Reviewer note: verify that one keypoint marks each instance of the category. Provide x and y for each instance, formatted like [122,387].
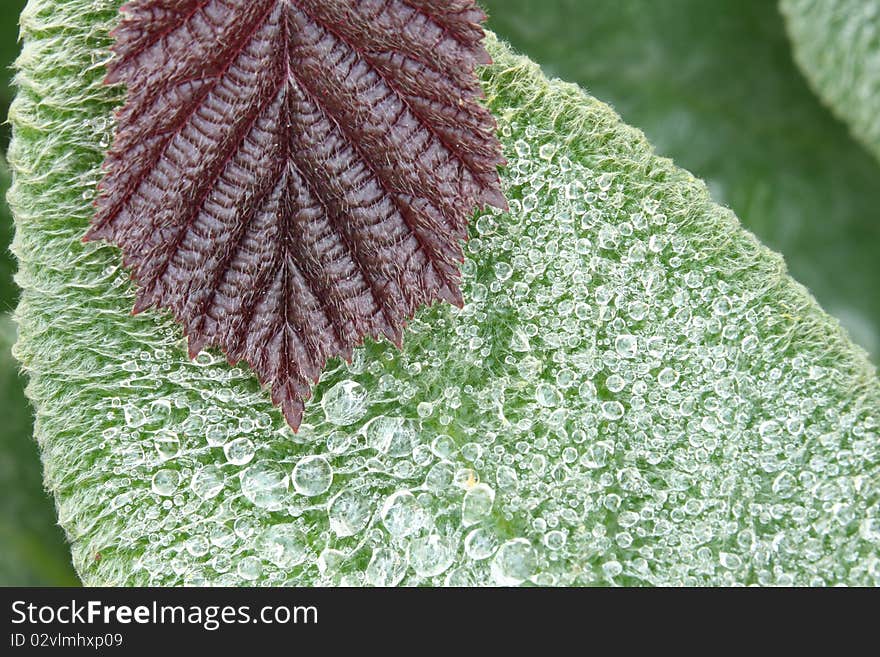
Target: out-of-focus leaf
[837,45]
[713,85]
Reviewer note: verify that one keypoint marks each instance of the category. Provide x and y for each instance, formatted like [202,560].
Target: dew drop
[349,513]
[239,451]
[514,562]
[386,568]
[312,475]
[401,514]
[265,484]
[477,504]
[165,482]
[344,403]
[431,555]
[207,482]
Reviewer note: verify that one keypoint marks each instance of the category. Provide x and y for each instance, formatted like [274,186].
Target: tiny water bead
[312,475]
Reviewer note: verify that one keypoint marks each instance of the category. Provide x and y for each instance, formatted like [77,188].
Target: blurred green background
[712,84]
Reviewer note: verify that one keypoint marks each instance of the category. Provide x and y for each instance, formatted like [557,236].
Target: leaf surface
[290,177]
[837,45]
[714,86]
[635,391]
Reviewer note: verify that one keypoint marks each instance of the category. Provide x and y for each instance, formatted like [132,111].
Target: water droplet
[265,484]
[477,504]
[386,568]
[250,568]
[547,396]
[390,435]
[612,410]
[770,431]
[554,540]
[165,482]
[431,555]
[344,403]
[198,546]
[239,451]
[667,377]
[612,569]
[440,476]
[207,482]
[167,444]
[480,544]
[349,513]
[402,515]
[514,562]
[284,545]
[506,478]
[627,346]
[312,475]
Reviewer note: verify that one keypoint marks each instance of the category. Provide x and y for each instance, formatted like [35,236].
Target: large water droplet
[207,482]
[431,555]
[239,451]
[344,403]
[265,484]
[477,504]
[386,568]
[349,513]
[402,515]
[312,475]
[514,562]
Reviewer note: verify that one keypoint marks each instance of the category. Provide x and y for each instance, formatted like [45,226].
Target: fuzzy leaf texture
[837,45]
[635,391]
[714,86]
[290,177]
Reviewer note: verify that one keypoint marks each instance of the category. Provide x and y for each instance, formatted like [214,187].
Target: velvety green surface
[714,86]
[33,551]
[635,391]
[837,45]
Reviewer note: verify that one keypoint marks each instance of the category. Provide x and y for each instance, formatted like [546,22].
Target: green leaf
[713,85]
[837,45]
[634,393]
[34,550]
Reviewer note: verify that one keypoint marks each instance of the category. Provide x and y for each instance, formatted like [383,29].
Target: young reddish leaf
[290,176]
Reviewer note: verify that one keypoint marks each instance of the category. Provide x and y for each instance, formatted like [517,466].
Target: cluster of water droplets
[616,403]
[606,409]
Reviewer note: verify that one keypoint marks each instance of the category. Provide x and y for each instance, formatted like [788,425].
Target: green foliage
[33,551]
[635,392]
[837,45]
[713,86]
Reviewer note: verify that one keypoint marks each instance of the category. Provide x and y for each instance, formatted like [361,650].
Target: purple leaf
[290,176]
